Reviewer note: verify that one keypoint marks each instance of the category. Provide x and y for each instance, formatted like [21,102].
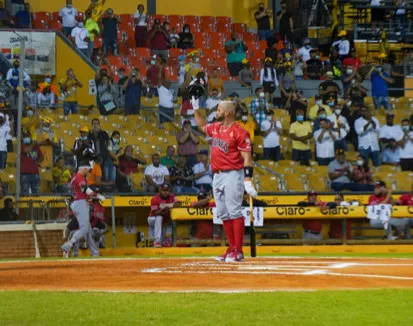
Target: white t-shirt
[406,152]
[305,53]
[45,100]
[272,139]
[369,138]
[389,132]
[166,97]
[343,131]
[4,133]
[325,149]
[158,174]
[207,178]
[375,3]
[142,18]
[68,17]
[80,34]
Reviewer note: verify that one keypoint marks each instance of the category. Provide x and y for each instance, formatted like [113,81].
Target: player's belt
[222,171]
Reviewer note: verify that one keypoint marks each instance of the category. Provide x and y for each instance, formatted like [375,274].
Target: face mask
[48,80]
[69,6]
[84,138]
[116,141]
[80,25]
[234,101]
[261,9]
[308,47]
[378,70]
[15,77]
[244,118]
[319,102]
[27,140]
[317,57]
[186,30]
[262,95]
[46,128]
[360,163]
[349,71]
[269,117]
[182,64]
[153,63]
[133,75]
[338,111]
[300,118]
[110,12]
[322,116]
[16,65]
[405,128]
[331,104]
[390,124]
[196,59]
[121,76]
[29,113]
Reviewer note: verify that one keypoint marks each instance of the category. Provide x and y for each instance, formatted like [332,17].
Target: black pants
[234,68]
[286,33]
[406,164]
[166,114]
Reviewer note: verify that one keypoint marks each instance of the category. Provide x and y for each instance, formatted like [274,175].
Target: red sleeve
[39,153]
[174,199]
[192,204]
[403,200]
[373,200]
[208,129]
[154,204]
[243,139]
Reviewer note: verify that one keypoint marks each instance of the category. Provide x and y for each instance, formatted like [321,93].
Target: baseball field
[296,290]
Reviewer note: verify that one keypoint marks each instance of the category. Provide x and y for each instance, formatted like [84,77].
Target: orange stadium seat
[175,52]
[40,24]
[212,20]
[200,40]
[224,19]
[223,26]
[206,26]
[250,37]
[55,25]
[42,15]
[143,52]
[191,20]
[137,61]
[54,16]
[216,40]
[208,53]
[98,43]
[127,18]
[239,28]
[115,61]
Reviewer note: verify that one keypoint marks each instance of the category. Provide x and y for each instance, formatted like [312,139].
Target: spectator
[7,213]
[188,143]
[166,102]
[378,15]
[159,217]
[182,71]
[114,151]
[133,92]
[96,9]
[80,37]
[101,140]
[405,141]
[301,133]
[234,98]
[171,159]
[279,63]
[182,178]
[245,74]
[342,45]
[262,17]
[47,141]
[379,87]
[382,196]
[14,84]
[271,130]
[127,164]
[159,38]
[246,122]
[212,104]
[367,128]
[312,228]
[31,157]
[314,66]
[299,66]
[297,102]
[259,106]
[23,17]
[362,174]
[62,176]
[353,60]
[174,38]
[46,98]
[286,50]
[287,84]
[268,79]
[329,88]
[186,38]
[16,66]
[31,96]
[69,88]
[319,104]
[141,27]
[321,115]
[193,67]
[93,30]
[106,96]
[406,199]
[235,54]
[203,172]
[336,226]
[156,174]
[341,127]
[325,138]
[356,92]
[348,76]
[203,229]
[216,83]
[389,131]
[154,76]
[5,131]
[304,51]
[84,147]
[110,32]
[68,16]
[334,64]
[391,154]
[340,172]
[94,179]
[400,14]
[271,50]
[285,19]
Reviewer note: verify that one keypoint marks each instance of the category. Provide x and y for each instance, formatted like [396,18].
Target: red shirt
[314,225]
[335,229]
[406,200]
[204,229]
[157,203]
[227,146]
[159,41]
[28,160]
[152,75]
[127,166]
[376,200]
[79,183]
[355,62]
[97,213]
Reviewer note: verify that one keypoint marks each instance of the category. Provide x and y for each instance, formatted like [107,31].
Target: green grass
[373,307]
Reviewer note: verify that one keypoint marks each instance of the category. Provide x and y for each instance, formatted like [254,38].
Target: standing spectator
[16,67]
[32,96]
[378,15]
[333,64]
[343,45]
[46,98]
[212,104]
[319,104]
[216,83]
[84,147]
[312,228]
[325,138]
[93,30]
[301,133]
[156,174]
[106,96]
[68,16]
[321,114]
[154,76]
[80,37]
[391,154]
[268,79]
[182,177]
[348,76]
[400,14]
[171,159]
[235,50]
[285,19]
[193,67]
[287,85]
[186,38]
[31,157]
[101,140]
[62,176]
[166,102]
[127,164]
[14,84]
[181,71]
[299,66]
[314,66]
[271,50]
[114,151]
[247,122]
[174,37]
[188,143]
[262,17]
[245,74]
[329,88]
[368,128]
[356,92]
[110,32]
[69,89]
[23,17]
[5,131]
[259,103]
[405,141]
[353,60]
[47,141]
[159,37]
[341,127]
[203,172]
[304,51]
[298,102]
[389,131]
[133,92]
[141,27]
[271,129]
[379,87]
[7,213]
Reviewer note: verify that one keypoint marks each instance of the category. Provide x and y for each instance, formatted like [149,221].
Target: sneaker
[223,256]
[234,256]
[66,248]
[157,245]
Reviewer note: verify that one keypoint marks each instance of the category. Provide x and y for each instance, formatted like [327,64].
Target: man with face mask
[193,67]
[155,75]
[301,133]
[31,157]
[215,82]
[262,17]
[16,66]
[69,91]
[80,37]
[247,122]
[343,45]
[47,141]
[319,104]
[186,38]
[133,88]
[304,51]
[271,130]
[389,131]
[110,32]
[391,154]
[314,66]
[93,30]
[341,127]
[166,102]
[349,74]
[5,131]
[379,87]
[159,37]
[188,143]
[235,49]
[285,19]
[259,103]
[367,127]
[68,15]
[245,75]
[405,141]
[83,147]
[353,60]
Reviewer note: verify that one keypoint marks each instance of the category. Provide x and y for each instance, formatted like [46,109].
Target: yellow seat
[248,100]
[316,182]
[388,168]
[292,182]
[321,170]
[137,181]
[46,181]
[258,145]
[153,140]
[404,181]
[303,170]
[388,178]
[172,127]
[11,158]
[147,149]
[351,156]
[268,183]
[268,164]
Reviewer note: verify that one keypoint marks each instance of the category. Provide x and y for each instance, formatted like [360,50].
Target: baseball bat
[252,231]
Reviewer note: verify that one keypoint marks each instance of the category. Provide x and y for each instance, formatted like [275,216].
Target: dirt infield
[180,274]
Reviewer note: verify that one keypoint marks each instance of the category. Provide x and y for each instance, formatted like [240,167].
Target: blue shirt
[255,103]
[239,53]
[133,93]
[23,19]
[379,85]
[391,157]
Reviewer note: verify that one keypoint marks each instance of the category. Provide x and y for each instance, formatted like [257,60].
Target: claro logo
[290,211]
[142,202]
[337,211]
[199,211]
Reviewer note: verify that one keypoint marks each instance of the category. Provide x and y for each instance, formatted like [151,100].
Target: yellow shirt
[91,26]
[97,10]
[47,151]
[313,111]
[216,83]
[193,68]
[61,176]
[249,126]
[96,172]
[301,130]
[30,124]
[71,90]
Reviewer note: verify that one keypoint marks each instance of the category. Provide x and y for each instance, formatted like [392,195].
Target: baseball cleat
[66,248]
[157,245]
[223,256]
[234,256]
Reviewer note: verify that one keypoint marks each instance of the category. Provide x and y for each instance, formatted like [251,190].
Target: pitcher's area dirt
[180,274]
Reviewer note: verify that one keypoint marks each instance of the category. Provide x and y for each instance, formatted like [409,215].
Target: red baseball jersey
[227,146]
[157,203]
[204,229]
[406,200]
[79,182]
[376,200]
[314,225]
[98,211]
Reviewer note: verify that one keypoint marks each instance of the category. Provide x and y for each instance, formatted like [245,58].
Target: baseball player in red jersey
[231,162]
[80,208]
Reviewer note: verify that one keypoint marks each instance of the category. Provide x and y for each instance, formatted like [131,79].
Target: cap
[287,64]
[186,122]
[353,50]
[16,61]
[267,60]
[46,120]
[245,61]
[306,41]
[382,55]
[203,152]
[380,184]
[182,57]
[84,129]
[329,74]
[312,193]
[192,53]
[342,33]
[165,186]
[340,152]
[234,94]
[202,194]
